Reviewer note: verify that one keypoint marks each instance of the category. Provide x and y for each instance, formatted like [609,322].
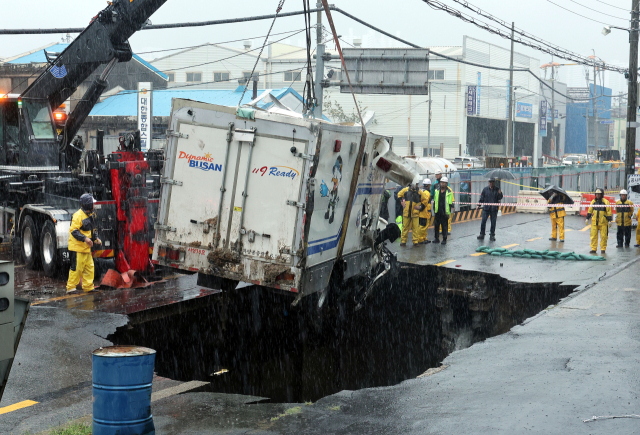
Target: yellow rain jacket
[602,215]
[426,199]
[624,213]
[82,225]
[409,211]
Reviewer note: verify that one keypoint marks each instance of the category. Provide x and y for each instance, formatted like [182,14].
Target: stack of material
[544,255]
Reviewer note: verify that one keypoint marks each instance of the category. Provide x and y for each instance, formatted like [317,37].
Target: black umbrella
[500,174]
[549,191]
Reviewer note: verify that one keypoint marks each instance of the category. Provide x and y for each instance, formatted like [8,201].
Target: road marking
[537,238]
[477,254]
[511,246]
[586,228]
[566,231]
[444,262]
[60,298]
[17,406]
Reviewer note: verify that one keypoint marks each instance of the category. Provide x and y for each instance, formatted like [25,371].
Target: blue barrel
[122,377]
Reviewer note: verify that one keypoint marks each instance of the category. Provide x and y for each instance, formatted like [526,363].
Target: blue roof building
[125,102]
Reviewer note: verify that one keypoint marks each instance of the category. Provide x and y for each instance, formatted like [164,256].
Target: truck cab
[28,137]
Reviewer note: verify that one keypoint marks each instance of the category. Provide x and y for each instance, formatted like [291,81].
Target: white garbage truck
[274,199]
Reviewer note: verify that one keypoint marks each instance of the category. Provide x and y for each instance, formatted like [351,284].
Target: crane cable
[280,4]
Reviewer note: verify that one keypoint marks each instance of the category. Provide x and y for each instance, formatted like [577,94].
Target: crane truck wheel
[49,249]
[30,239]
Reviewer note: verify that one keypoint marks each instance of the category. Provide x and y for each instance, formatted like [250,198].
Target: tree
[334,110]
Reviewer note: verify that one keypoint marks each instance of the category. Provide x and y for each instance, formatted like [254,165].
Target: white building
[476,130]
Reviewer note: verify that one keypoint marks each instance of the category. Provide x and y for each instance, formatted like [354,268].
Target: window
[40,119]
[19,85]
[172,77]
[436,74]
[293,76]
[221,76]
[194,77]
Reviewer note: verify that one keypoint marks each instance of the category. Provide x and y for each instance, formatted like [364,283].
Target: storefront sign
[524,110]
[471,100]
[145,115]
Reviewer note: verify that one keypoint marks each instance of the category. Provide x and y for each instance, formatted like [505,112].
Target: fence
[468,183]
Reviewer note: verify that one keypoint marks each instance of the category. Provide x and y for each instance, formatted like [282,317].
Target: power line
[216,43]
[156,26]
[38,72]
[595,10]
[279,8]
[555,51]
[575,13]
[235,55]
[613,6]
[517,30]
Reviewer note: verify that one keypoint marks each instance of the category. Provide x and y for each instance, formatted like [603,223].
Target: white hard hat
[438,172]
[444,180]
[624,192]
[426,181]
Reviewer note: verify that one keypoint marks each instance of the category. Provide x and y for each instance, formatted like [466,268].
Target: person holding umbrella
[557,215]
[623,219]
[490,195]
[601,220]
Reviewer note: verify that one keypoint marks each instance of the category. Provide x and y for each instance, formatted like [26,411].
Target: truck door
[260,175]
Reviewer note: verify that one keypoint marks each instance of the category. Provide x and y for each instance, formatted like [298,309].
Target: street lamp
[606,30]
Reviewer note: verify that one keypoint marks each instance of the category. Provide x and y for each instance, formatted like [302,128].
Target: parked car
[571,160]
[468,162]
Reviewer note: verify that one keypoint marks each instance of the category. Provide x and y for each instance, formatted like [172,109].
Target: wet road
[573,361]
[520,231]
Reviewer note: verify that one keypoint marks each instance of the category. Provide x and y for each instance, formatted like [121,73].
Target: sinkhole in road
[250,341]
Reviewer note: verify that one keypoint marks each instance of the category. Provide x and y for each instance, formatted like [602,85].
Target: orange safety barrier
[586,200]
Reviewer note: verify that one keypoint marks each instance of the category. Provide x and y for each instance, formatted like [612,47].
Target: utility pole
[429,124]
[510,144]
[317,112]
[630,152]
[595,106]
[553,110]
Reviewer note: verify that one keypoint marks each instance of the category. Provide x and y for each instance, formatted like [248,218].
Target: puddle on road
[250,341]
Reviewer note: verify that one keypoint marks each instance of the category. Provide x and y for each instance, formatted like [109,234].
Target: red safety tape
[582,204]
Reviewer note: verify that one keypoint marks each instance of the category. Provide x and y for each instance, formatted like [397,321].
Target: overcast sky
[411,19]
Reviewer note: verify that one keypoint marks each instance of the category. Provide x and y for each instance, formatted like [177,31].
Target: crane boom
[104,39]
[33,142]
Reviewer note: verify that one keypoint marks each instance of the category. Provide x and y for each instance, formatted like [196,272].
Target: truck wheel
[49,249]
[30,251]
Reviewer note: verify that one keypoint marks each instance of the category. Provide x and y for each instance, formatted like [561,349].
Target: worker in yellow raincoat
[412,196]
[82,236]
[557,216]
[623,219]
[424,218]
[600,216]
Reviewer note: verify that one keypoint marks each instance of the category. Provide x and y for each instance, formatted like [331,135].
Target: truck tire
[49,249]
[30,242]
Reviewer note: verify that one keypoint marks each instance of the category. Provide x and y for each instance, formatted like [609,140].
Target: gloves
[610,224]
[586,221]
